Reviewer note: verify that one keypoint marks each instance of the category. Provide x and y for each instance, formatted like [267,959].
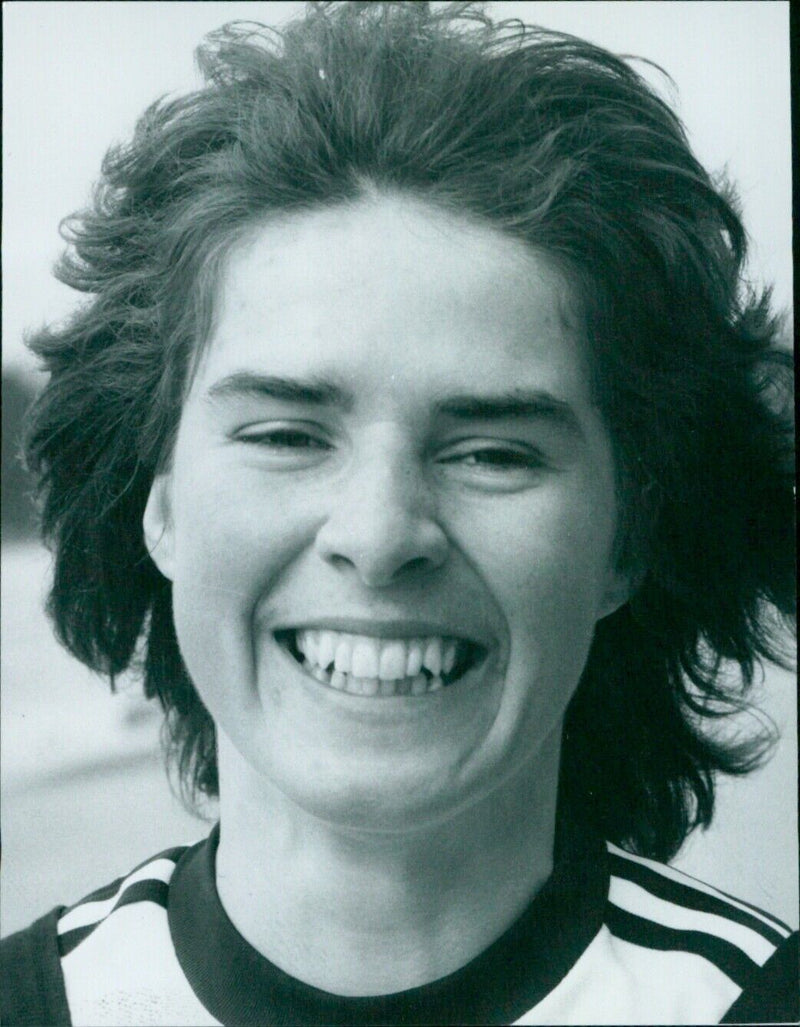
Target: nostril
[339,561]
[418,563]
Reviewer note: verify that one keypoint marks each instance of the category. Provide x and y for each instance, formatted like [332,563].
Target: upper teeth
[389,659]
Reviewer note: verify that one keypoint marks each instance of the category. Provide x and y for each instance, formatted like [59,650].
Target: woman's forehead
[392,272]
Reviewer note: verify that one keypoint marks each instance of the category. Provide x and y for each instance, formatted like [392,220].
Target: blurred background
[85,795]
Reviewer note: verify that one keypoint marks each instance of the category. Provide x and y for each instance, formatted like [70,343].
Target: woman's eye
[497,458]
[283,439]
[495,467]
[500,458]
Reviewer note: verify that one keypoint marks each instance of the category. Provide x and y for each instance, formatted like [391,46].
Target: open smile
[369,665]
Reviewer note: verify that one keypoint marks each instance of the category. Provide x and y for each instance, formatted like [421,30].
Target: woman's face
[389,515]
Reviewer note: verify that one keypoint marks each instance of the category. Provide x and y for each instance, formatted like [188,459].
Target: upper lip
[394,628]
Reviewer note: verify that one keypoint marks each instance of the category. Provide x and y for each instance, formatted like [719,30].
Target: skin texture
[398,837]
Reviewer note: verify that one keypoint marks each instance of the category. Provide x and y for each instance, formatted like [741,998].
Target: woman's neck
[367,913]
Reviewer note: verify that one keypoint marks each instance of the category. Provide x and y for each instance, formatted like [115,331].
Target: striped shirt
[612,938]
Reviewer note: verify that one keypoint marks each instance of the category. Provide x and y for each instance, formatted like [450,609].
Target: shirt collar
[240,986]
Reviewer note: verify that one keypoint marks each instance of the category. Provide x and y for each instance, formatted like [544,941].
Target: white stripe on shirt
[92,912]
[640,902]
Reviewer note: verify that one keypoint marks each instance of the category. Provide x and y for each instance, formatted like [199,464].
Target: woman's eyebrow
[311,391]
[520,404]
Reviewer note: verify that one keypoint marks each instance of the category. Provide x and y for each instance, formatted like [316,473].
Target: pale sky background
[77,75]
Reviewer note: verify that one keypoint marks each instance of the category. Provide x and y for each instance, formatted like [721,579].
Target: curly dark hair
[557,142]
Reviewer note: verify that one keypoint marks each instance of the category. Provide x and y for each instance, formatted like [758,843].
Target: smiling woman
[379,502]
[422,435]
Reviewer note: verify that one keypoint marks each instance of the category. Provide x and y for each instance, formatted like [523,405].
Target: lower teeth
[418,685]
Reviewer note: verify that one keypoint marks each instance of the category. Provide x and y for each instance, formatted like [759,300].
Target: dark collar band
[239,986]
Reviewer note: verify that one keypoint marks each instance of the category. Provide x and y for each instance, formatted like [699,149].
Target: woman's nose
[381,522]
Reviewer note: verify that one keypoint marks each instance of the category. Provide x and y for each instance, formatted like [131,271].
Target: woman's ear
[615,596]
[157,525]
[621,586]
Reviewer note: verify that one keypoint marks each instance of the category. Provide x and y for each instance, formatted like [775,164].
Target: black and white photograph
[398,514]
